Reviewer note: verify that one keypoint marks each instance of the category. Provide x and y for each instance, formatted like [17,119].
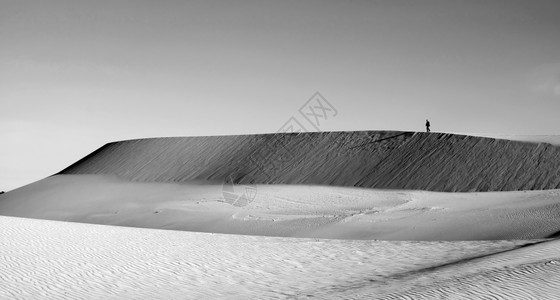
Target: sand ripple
[59,260]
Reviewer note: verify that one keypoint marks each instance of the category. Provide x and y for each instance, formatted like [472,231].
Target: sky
[75,75]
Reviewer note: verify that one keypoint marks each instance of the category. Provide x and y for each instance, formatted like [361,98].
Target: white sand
[531,272]
[60,260]
[290,210]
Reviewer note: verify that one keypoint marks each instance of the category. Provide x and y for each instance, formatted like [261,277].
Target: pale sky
[75,75]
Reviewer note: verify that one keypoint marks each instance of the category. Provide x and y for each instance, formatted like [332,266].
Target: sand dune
[374,159]
[177,183]
[290,210]
[59,260]
[407,216]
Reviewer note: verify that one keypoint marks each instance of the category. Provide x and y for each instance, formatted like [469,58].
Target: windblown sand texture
[372,159]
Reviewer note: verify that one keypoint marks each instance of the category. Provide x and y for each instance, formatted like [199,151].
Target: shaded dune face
[372,159]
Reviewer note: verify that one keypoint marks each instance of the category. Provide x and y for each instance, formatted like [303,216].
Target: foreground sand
[290,210]
[61,260]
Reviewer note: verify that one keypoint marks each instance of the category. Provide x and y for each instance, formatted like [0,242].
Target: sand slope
[375,159]
[549,139]
[290,210]
[58,260]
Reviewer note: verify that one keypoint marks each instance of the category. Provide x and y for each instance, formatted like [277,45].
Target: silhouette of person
[427,126]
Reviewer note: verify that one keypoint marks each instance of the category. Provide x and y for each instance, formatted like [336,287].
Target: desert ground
[342,215]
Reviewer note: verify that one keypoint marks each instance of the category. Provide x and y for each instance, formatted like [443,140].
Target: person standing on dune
[427,126]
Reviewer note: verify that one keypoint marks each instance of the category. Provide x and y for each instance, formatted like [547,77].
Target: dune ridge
[373,159]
